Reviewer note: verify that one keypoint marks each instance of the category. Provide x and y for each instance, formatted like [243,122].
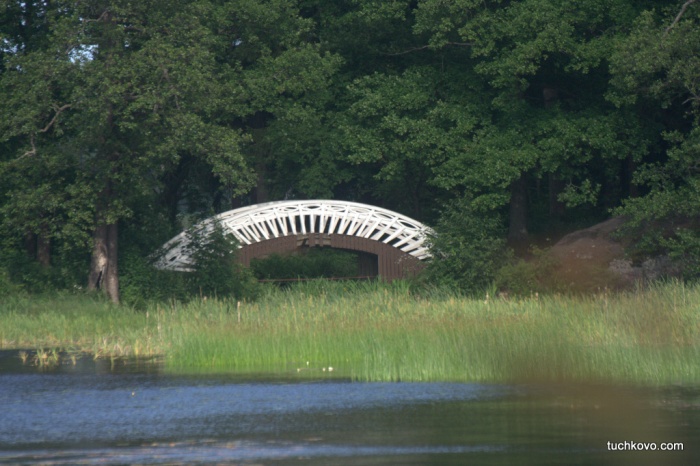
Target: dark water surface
[93,414]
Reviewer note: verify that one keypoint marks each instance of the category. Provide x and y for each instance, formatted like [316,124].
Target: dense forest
[496,121]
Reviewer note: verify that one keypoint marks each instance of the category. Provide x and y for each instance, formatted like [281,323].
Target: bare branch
[680,14]
[423,47]
[29,153]
[135,28]
[32,136]
[53,120]
[100,18]
[407,51]
[172,87]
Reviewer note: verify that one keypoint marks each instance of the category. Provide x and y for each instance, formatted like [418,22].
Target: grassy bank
[376,332]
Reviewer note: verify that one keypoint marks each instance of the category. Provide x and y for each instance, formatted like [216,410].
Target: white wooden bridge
[276,227]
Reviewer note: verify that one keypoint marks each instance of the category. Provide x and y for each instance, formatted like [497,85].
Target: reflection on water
[93,414]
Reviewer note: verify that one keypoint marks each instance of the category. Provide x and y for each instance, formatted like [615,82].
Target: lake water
[92,413]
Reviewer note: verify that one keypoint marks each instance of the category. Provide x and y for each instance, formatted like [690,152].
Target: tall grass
[373,331]
[77,323]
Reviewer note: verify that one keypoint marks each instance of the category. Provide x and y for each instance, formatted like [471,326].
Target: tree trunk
[112,272]
[261,191]
[517,225]
[38,246]
[98,261]
[556,207]
[30,244]
[104,272]
[631,168]
[43,247]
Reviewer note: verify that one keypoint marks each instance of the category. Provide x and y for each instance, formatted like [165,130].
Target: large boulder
[593,245]
[596,250]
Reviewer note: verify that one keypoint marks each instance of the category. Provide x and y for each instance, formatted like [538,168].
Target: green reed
[374,331]
[77,323]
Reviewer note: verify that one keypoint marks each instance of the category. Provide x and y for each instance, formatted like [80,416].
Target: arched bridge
[397,241]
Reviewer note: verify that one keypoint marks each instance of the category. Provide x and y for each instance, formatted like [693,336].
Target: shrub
[468,248]
[217,271]
[524,277]
[315,263]
[33,277]
[7,288]
[140,282]
[684,250]
[545,273]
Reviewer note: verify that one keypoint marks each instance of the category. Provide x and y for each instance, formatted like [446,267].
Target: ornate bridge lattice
[285,226]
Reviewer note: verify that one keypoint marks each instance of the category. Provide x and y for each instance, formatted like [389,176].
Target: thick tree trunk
[98,261]
[111,279]
[104,272]
[517,225]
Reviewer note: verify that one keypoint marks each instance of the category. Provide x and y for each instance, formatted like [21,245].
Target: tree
[142,109]
[546,65]
[120,91]
[484,100]
[408,127]
[657,72]
[284,79]
[217,271]
[468,248]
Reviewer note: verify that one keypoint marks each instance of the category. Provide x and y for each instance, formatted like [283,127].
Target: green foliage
[523,278]
[141,283]
[7,287]
[26,273]
[659,59]
[216,270]
[468,249]
[663,220]
[314,263]
[406,128]
[656,68]
[544,273]
[115,111]
[684,250]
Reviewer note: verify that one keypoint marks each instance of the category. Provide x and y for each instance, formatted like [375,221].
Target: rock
[593,245]
[594,248]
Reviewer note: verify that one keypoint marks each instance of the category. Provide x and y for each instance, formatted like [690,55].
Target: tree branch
[53,120]
[100,18]
[172,87]
[680,14]
[32,136]
[423,47]
[406,51]
[29,153]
